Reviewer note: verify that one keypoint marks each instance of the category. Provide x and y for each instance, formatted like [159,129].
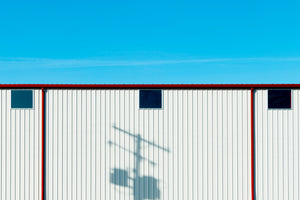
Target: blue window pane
[279,99]
[150,99]
[21,99]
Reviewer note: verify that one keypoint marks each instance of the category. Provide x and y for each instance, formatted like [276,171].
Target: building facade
[149,142]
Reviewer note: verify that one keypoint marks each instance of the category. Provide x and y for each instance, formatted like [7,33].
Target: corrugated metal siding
[277,149]
[20,149]
[207,133]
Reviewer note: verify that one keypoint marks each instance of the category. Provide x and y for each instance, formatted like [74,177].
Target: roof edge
[150,86]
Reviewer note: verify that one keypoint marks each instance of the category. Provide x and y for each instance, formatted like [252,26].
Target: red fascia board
[150,86]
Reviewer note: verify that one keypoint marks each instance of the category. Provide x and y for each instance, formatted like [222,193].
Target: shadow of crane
[144,187]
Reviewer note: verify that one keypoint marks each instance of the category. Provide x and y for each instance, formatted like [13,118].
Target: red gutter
[252,145]
[43,143]
[149,86]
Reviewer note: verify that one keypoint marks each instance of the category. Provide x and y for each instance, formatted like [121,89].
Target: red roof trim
[149,86]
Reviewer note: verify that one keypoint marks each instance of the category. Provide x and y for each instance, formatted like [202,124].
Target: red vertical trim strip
[252,145]
[43,143]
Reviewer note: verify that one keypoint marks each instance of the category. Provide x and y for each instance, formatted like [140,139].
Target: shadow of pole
[141,189]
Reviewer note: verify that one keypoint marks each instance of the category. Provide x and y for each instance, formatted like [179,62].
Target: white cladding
[90,134]
[20,149]
[277,149]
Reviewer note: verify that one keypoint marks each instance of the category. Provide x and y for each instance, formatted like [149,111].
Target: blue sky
[149,42]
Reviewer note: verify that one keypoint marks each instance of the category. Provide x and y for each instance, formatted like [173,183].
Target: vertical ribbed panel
[20,149]
[277,149]
[90,133]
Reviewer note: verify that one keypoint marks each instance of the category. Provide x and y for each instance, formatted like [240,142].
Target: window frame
[27,108]
[162,100]
[291,100]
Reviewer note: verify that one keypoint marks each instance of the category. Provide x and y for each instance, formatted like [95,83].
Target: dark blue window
[21,99]
[150,99]
[279,99]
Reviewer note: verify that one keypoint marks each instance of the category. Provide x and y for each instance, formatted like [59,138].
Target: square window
[150,99]
[279,99]
[21,99]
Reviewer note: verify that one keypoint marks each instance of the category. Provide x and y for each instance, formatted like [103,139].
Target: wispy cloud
[9,63]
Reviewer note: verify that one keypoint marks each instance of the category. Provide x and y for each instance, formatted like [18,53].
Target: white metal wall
[20,149]
[277,149]
[207,133]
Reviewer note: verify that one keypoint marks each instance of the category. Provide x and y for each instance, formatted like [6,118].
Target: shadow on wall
[144,187]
